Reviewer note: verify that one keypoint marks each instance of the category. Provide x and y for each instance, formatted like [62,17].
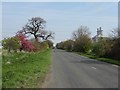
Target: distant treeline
[108,47]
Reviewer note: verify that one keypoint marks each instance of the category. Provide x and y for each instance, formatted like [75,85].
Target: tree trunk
[36,38]
[20,49]
[9,49]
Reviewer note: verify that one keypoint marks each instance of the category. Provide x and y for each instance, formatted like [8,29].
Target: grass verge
[25,70]
[108,60]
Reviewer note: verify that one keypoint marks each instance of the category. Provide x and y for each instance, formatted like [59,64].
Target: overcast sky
[62,18]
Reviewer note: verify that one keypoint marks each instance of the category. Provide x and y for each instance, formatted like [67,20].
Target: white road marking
[93,67]
[115,65]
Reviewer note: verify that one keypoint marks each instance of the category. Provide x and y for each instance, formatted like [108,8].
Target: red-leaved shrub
[25,44]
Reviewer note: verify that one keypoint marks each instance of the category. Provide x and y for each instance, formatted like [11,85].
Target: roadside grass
[25,70]
[108,60]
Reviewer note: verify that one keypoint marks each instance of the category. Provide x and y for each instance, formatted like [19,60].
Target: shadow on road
[90,62]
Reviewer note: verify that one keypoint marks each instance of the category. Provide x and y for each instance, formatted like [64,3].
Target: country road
[70,70]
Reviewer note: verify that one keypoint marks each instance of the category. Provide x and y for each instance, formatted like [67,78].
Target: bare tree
[82,31]
[35,26]
[115,33]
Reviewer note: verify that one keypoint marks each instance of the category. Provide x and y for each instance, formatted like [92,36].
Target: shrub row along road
[70,70]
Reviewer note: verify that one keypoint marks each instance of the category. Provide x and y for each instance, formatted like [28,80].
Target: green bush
[82,44]
[10,44]
[99,48]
